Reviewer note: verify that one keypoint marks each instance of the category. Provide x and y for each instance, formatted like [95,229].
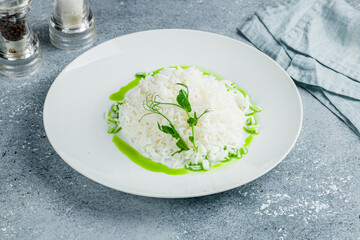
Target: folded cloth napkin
[318,43]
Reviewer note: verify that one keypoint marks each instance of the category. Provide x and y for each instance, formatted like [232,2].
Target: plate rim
[174,196]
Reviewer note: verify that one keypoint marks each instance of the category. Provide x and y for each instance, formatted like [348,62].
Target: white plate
[75,106]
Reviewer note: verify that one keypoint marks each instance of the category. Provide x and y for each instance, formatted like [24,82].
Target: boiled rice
[217,132]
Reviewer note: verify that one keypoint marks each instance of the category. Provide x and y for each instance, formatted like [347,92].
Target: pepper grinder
[20,53]
[72,25]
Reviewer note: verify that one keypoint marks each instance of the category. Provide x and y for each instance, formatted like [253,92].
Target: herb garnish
[152,105]
[182,99]
[251,123]
[113,117]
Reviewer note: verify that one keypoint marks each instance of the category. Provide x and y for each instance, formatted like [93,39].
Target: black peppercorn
[11,28]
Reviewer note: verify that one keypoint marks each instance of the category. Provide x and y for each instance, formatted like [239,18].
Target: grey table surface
[313,194]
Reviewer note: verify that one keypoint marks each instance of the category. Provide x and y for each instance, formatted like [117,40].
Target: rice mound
[216,132]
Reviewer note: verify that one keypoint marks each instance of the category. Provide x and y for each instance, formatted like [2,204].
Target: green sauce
[144,162]
[248,140]
[120,95]
[134,155]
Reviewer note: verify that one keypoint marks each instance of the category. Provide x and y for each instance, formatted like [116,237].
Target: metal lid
[13,5]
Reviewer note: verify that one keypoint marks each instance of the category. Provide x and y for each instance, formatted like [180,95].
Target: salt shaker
[72,25]
[20,53]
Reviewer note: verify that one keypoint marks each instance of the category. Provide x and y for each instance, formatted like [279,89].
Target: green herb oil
[142,161]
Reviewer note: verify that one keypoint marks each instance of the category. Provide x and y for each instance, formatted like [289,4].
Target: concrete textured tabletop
[314,193]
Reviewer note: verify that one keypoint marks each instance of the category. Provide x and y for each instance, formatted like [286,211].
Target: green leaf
[183,101]
[176,133]
[192,121]
[169,130]
[191,138]
[182,145]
